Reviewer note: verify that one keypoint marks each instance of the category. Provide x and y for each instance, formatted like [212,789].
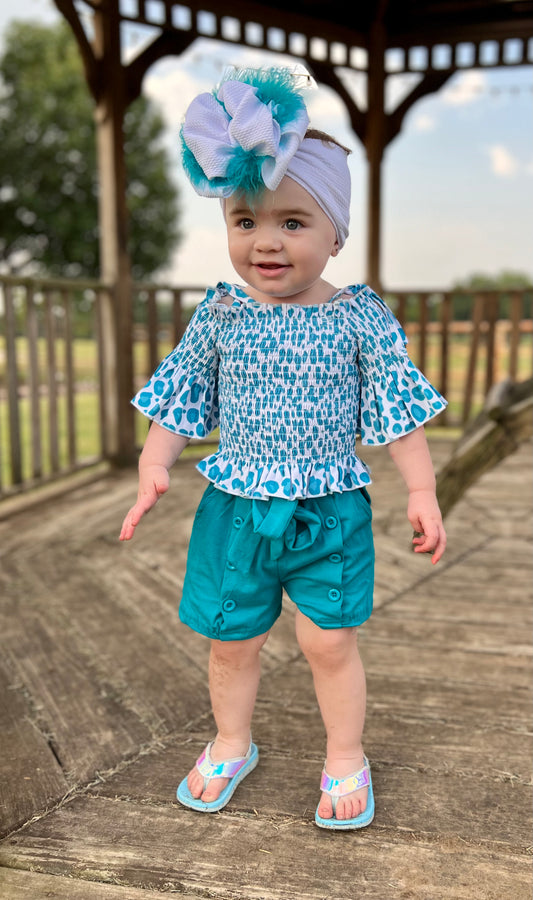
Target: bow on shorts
[285,523]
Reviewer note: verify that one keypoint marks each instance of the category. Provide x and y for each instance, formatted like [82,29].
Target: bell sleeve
[182,394]
[395,396]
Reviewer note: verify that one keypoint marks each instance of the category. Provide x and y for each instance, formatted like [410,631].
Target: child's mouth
[271,268]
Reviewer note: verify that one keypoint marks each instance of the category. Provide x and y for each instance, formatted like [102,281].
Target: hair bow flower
[243,136]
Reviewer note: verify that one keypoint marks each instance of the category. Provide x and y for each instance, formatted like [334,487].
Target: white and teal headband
[249,133]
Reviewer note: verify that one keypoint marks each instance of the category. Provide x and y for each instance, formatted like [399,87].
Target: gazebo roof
[330,32]
[407,23]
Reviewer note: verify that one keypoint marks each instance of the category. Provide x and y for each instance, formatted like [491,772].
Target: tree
[505,281]
[48,169]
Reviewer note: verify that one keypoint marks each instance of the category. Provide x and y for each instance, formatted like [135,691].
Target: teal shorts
[243,553]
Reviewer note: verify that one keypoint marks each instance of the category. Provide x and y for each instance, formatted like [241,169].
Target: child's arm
[412,459]
[159,454]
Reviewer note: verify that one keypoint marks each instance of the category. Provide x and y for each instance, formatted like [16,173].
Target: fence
[53,405]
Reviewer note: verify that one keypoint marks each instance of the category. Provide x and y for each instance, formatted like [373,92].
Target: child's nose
[268,238]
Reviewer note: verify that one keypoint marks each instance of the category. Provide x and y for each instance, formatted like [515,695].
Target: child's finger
[132,519]
[128,528]
[433,542]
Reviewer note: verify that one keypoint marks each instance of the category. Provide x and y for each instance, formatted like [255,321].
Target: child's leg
[340,687]
[234,671]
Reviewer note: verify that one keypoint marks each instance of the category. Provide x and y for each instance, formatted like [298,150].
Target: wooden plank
[459,666]
[101,314]
[31,778]
[53,427]
[89,724]
[477,318]
[12,388]
[420,781]
[253,857]
[446,318]
[18,884]
[498,707]
[429,726]
[423,319]
[32,330]
[70,385]
[472,637]
[492,304]
[516,312]
[448,604]
[177,316]
[154,357]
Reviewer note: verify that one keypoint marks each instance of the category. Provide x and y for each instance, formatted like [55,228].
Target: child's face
[281,246]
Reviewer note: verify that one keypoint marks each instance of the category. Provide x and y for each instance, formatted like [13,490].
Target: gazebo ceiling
[300,27]
[407,22]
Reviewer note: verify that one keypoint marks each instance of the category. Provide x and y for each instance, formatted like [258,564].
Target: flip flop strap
[227,768]
[339,787]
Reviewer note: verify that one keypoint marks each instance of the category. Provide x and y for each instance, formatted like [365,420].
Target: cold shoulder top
[291,388]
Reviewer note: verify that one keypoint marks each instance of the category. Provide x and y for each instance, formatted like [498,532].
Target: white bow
[217,128]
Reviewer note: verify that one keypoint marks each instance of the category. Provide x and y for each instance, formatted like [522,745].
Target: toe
[351,806]
[195,783]
[214,789]
[325,807]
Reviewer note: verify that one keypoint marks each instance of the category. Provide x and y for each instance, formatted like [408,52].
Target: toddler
[292,369]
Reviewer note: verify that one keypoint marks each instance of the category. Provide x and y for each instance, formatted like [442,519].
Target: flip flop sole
[185,797]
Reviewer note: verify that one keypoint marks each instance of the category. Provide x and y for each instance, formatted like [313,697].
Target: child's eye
[246,224]
[292,225]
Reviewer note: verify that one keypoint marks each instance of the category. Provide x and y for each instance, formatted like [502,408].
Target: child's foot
[221,750]
[351,805]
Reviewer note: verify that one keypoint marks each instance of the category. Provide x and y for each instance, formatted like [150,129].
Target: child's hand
[424,515]
[154,480]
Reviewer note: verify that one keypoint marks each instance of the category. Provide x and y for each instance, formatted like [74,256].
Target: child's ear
[335,250]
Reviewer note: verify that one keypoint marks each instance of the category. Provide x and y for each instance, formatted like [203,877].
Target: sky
[457,181]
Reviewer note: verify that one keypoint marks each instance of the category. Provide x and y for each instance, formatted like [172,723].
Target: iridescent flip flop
[234,769]
[340,787]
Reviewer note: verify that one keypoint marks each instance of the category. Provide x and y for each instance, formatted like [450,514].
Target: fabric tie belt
[285,523]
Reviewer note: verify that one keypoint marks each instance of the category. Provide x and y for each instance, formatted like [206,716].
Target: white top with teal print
[291,387]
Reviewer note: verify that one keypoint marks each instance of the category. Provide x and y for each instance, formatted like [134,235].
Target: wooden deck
[104,708]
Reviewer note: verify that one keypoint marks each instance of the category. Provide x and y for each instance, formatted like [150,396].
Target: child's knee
[327,647]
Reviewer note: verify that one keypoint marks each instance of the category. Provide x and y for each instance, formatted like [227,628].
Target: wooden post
[446,318]
[516,316]
[477,318]
[116,312]
[423,320]
[375,142]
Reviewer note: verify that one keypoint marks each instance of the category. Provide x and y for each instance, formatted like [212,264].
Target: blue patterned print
[291,387]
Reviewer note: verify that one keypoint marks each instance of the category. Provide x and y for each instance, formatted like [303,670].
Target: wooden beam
[169,43]
[116,312]
[68,10]
[431,82]
[286,19]
[326,74]
[375,143]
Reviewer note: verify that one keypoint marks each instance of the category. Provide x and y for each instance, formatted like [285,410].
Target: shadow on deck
[105,707]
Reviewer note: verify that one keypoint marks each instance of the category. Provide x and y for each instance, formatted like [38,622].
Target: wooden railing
[462,356]
[53,403]
[54,406]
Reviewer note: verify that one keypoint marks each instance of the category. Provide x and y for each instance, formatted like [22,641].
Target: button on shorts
[244,552]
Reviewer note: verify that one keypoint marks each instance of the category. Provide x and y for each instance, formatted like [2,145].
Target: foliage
[505,282]
[463,293]
[48,168]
